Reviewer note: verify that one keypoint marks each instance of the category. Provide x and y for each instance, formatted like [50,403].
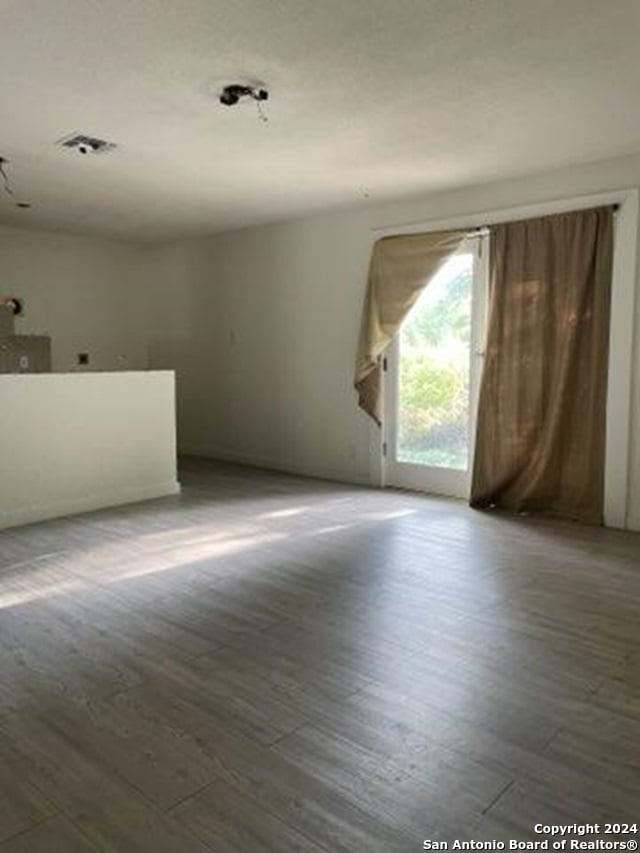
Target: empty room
[319,426]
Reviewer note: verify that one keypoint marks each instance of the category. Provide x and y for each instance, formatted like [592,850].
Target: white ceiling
[385,97]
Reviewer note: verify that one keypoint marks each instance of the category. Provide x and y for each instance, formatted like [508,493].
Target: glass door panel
[432,377]
[434,367]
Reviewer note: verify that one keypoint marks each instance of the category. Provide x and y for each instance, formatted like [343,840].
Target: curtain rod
[483,230]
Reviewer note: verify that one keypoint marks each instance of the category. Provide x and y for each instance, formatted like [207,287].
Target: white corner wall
[261,326]
[88,294]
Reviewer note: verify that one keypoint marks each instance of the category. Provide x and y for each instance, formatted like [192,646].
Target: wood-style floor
[269,663]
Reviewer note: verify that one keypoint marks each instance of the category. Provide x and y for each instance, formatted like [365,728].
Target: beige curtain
[541,418]
[400,268]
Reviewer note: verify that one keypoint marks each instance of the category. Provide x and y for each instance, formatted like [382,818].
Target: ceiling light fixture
[234,92]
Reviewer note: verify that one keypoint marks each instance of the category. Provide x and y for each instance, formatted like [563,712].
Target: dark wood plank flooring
[271,663]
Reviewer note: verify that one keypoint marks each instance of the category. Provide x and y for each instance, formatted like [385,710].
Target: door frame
[623,309]
[447,482]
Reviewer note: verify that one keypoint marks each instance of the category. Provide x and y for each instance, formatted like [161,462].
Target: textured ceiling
[385,97]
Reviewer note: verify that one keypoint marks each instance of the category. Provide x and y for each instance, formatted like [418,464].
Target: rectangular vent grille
[85,144]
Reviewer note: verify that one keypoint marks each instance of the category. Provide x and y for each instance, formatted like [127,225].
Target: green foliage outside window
[434,376]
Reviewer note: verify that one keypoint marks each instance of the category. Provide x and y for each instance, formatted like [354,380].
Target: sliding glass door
[431,379]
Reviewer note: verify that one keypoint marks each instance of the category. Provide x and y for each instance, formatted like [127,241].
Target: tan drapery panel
[541,418]
[400,268]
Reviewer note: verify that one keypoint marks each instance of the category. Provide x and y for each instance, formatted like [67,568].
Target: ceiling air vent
[84,144]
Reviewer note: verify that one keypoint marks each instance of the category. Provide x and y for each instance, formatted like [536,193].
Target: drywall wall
[268,321]
[75,442]
[264,373]
[86,293]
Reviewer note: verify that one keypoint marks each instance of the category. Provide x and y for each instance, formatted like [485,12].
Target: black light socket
[232,93]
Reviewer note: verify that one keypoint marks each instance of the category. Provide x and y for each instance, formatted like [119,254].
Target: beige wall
[269,319]
[86,293]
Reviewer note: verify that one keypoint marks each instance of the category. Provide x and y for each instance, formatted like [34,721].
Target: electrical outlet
[83,358]
[24,362]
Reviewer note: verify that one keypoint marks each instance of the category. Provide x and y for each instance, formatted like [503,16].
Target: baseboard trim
[269,464]
[87,503]
[633,523]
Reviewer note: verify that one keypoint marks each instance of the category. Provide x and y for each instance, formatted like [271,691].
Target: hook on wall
[14,304]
